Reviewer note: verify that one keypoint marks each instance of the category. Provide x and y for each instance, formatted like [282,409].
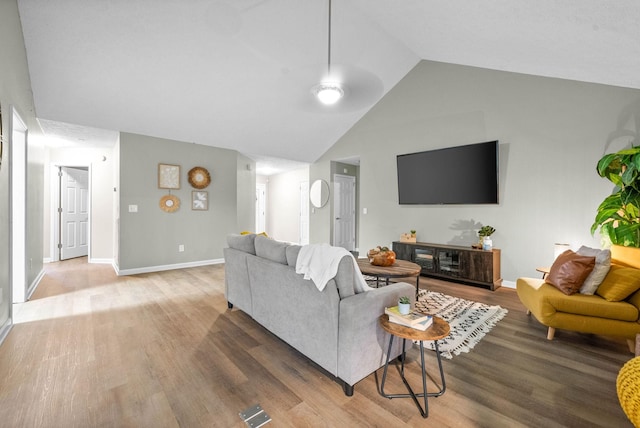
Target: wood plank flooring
[162,350]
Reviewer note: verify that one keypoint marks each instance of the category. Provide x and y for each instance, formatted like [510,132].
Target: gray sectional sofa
[337,328]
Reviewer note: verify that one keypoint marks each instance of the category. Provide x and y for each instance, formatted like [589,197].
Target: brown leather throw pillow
[569,271]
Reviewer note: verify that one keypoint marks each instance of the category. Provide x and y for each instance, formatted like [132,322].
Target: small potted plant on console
[485,241]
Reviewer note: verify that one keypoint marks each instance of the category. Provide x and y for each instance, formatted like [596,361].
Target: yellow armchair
[585,313]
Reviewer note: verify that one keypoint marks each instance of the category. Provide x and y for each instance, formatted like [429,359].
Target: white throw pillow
[600,271]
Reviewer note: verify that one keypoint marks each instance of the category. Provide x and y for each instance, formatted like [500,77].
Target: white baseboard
[34,284]
[135,271]
[509,284]
[93,260]
[101,261]
[5,329]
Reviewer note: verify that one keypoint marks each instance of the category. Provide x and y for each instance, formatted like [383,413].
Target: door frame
[54,180]
[304,213]
[18,161]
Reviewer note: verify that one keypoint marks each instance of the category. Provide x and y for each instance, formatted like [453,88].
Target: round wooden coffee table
[400,269]
[438,330]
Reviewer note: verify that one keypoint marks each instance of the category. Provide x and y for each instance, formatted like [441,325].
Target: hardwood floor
[162,350]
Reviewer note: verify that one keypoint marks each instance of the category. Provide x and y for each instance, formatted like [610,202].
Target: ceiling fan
[328,91]
[345,87]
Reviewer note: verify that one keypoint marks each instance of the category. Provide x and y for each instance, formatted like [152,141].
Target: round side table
[544,271]
[438,330]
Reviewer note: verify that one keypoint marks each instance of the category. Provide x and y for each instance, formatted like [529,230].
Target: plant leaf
[604,165]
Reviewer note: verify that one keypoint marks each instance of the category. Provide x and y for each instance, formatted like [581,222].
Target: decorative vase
[404,308]
[487,243]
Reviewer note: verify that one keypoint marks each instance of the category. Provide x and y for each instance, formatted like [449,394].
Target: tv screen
[455,175]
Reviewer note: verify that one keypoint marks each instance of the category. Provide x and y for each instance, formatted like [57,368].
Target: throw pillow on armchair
[569,271]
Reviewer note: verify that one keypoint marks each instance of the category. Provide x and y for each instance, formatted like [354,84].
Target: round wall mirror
[319,193]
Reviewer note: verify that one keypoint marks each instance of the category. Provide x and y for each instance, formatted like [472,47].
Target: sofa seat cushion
[545,300]
[594,306]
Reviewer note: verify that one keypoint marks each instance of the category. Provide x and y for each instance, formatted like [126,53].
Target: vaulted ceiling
[238,73]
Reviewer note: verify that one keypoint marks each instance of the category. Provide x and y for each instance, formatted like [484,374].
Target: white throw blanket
[319,263]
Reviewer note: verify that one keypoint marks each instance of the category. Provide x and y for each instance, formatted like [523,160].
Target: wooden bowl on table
[381,258]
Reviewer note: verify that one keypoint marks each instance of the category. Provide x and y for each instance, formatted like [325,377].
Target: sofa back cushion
[569,271]
[345,278]
[620,283]
[244,243]
[292,252]
[625,256]
[270,249]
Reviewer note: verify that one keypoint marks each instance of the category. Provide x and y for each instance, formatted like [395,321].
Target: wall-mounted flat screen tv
[454,175]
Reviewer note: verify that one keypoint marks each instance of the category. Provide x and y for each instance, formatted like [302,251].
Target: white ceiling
[237,74]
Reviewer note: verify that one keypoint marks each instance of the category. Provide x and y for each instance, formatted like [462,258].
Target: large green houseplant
[618,215]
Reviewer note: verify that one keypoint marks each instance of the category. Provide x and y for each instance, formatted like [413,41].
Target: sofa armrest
[531,292]
[362,344]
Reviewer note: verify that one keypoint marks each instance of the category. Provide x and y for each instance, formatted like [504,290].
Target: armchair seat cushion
[545,300]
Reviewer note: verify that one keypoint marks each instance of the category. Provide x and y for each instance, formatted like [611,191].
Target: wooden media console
[455,263]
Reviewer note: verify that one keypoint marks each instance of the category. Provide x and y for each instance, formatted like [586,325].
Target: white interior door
[304,213]
[344,209]
[74,212]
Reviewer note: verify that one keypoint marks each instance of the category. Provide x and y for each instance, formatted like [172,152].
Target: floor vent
[255,416]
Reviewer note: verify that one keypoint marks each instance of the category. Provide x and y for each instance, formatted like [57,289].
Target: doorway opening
[344,210]
[261,201]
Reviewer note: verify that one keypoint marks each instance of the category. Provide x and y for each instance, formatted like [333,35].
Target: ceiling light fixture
[328,92]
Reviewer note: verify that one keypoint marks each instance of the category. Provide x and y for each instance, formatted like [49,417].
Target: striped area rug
[469,321]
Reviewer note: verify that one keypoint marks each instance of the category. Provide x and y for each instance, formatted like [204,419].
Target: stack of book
[414,319]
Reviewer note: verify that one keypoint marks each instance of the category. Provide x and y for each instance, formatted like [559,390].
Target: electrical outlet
[180,248]
[133,208]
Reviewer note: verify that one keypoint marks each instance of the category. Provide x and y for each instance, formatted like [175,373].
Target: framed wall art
[199,177]
[168,176]
[199,200]
[169,203]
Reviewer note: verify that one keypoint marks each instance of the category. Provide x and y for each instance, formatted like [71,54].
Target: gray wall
[15,90]
[551,131]
[35,206]
[246,191]
[150,237]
